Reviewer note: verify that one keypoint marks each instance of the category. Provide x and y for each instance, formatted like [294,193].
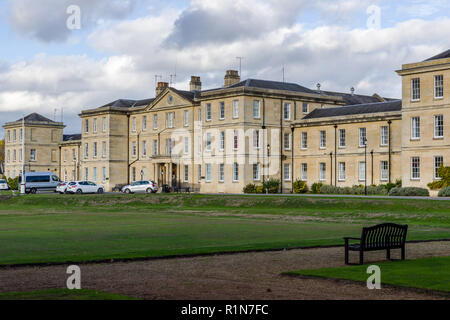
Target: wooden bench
[384,236]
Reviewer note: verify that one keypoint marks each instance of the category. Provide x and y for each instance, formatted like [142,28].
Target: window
[208,141]
[287,141]
[32,155]
[104,174]
[200,143]
[222,111]
[9,136]
[95,149]
[133,174]
[186,118]
[415,128]
[322,171]
[21,134]
[236,109]
[362,171]
[155,147]
[65,175]
[221,172]
[169,146]
[222,140]
[208,172]
[415,89]
[186,173]
[144,148]
[104,149]
[199,115]
[14,135]
[186,145]
[95,125]
[208,112]
[384,170]
[86,150]
[439,86]
[86,174]
[256,139]
[415,168]
[341,138]
[170,119]
[304,140]
[133,149]
[305,107]
[287,111]
[74,155]
[8,156]
[287,172]
[384,136]
[73,175]
[104,124]
[199,172]
[144,123]
[362,137]
[439,126]
[94,174]
[256,171]
[342,171]
[15,156]
[323,139]
[304,172]
[133,124]
[236,140]
[438,162]
[155,121]
[235,171]
[256,109]
[86,125]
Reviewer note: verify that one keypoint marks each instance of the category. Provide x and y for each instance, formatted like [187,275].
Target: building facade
[219,140]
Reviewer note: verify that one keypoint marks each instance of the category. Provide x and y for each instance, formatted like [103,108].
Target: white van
[40,181]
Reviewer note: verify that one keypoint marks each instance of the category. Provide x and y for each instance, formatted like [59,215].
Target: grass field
[428,273]
[63,294]
[62,228]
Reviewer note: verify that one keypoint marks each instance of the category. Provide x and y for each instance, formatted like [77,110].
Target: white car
[62,187]
[3,185]
[80,187]
[147,186]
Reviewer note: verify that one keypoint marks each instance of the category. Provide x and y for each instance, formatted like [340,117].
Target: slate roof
[367,108]
[443,55]
[352,99]
[36,117]
[128,103]
[271,85]
[71,137]
[190,95]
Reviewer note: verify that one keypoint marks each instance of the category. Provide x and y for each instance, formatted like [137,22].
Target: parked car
[40,181]
[80,187]
[62,187]
[3,185]
[147,186]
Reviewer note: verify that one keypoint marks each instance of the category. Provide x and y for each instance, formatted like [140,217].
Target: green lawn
[63,294]
[428,273]
[62,228]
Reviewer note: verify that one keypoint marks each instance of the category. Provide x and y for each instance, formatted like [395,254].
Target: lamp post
[22,183]
[365,166]
[268,164]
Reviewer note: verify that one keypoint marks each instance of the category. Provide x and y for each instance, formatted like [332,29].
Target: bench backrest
[383,236]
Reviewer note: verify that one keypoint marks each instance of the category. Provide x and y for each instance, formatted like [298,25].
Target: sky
[59,57]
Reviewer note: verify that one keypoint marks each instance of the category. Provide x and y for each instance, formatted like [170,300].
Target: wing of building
[221,139]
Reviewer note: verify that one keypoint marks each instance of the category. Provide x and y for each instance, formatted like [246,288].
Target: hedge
[409,192]
[444,192]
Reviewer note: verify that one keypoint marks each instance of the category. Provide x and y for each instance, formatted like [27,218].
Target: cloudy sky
[121,45]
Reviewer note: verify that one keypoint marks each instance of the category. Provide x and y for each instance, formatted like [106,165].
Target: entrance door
[162,175]
[174,175]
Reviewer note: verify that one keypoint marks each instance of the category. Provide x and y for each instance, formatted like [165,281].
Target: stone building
[219,140]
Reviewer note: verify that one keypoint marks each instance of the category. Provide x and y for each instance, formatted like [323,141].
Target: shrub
[355,190]
[409,192]
[259,189]
[444,182]
[300,186]
[398,183]
[250,188]
[315,188]
[13,183]
[444,192]
[271,186]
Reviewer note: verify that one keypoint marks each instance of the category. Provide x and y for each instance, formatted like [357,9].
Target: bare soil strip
[238,276]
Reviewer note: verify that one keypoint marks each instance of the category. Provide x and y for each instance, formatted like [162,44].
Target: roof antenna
[54,114]
[240,65]
[283,72]
[352,90]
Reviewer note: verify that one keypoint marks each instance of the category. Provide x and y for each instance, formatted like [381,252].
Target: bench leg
[361,257]
[388,254]
[346,254]
[403,253]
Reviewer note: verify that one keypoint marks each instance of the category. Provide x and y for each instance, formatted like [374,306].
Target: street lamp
[365,166]
[268,164]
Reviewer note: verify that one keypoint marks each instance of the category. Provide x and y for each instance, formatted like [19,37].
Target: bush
[315,188]
[444,192]
[444,182]
[409,192]
[250,188]
[271,186]
[355,190]
[398,183]
[259,189]
[300,186]
[13,183]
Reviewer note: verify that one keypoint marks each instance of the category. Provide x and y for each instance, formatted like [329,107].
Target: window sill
[438,138]
[415,100]
[438,98]
[414,139]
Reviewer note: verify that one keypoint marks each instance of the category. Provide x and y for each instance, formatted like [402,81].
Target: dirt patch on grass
[239,276]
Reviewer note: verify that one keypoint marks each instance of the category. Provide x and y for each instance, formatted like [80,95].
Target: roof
[271,85]
[128,103]
[190,95]
[71,137]
[443,55]
[36,117]
[367,108]
[352,99]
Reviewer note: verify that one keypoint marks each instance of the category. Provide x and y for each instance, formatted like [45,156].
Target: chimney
[318,87]
[195,84]
[232,77]
[161,87]
[352,90]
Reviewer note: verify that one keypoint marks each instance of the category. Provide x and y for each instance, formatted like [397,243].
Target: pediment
[169,98]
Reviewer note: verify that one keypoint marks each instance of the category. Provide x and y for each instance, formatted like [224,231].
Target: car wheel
[149,190]
[79,191]
[100,191]
[33,191]
[127,191]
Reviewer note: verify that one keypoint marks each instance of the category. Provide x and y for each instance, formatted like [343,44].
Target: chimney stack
[161,87]
[195,84]
[232,77]
[352,90]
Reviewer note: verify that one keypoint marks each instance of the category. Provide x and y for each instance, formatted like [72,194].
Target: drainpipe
[371,162]
[335,154]
[281,146]
[60,155]
[264,140]
[128,149]
[331,166]
[390,151]
[292,159]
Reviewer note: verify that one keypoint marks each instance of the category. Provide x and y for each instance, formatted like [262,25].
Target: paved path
[236,276]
